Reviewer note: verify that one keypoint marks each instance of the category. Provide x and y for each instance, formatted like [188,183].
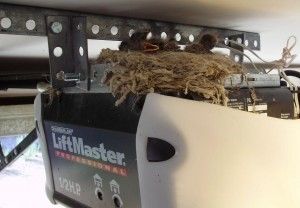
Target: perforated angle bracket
[70,63]
[68,50]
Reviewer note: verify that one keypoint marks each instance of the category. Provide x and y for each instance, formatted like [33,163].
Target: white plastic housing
[224,158]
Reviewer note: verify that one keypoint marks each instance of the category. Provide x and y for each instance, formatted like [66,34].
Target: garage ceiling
[274,20]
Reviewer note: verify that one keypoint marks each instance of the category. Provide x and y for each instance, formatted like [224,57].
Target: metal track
[109,28]
[68,51]
[68,32]
[18,150]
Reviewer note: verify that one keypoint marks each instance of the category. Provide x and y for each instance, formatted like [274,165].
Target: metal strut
[17,151]
[68,51]
[68,32]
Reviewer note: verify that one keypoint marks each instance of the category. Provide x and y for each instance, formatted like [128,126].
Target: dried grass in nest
[167,72]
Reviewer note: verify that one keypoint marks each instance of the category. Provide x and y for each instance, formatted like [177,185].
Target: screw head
[56,27]
[60,75]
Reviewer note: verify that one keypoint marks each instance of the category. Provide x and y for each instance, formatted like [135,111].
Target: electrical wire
[286,60]
[243,54]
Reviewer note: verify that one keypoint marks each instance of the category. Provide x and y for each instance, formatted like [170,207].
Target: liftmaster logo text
[67,142]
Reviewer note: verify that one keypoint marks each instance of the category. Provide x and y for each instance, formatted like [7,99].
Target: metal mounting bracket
[68,51]
[234,55]
[17,151]
[68,33]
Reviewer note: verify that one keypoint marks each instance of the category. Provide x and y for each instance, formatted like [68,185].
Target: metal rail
[17,151]
[26,20]
[68,32]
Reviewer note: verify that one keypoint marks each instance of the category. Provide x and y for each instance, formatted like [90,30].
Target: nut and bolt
[60,75]
[56,27]
[68,77]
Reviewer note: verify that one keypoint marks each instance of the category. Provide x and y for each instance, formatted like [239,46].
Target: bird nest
[167,72]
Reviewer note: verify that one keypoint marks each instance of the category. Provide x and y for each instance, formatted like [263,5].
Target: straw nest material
[167,72]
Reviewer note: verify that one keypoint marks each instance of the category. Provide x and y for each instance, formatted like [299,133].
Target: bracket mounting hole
[79,26]
[239,40]
[130,33]
[5,23]
[255,43]
[163,35]
[81,51]
[149,36]
[58,51]
[191,38]
[246,42]
[114,30]
[95,29]
[30,24]
[56,27]
[177,37]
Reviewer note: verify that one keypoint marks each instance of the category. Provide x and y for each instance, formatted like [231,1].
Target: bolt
[69,77]
[60,75]
[56,27]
